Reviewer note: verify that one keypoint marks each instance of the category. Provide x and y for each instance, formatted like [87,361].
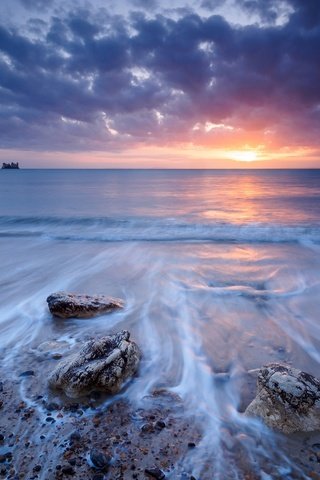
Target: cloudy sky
[150,83]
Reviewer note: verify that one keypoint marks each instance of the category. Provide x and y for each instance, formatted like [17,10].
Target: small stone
[75,436]
[147,428]
[68,470]
[37,468]
[6,455]
[155,473]
[1,437]
[27,373]
[191,445]
[160,424]
[73,407]
[99,460]
[56,356]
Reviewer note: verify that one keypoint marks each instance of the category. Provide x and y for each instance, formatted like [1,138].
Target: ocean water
[219,270]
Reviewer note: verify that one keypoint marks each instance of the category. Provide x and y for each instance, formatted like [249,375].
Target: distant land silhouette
[10,166]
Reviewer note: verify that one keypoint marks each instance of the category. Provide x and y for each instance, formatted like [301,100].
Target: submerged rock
[68,305]
[287,400]
[102,364]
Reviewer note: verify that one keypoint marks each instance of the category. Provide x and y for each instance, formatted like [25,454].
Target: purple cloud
[104,82]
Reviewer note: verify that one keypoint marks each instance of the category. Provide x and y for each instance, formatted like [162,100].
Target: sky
[160,83]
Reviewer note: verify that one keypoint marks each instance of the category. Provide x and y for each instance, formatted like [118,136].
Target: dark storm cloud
[93,81]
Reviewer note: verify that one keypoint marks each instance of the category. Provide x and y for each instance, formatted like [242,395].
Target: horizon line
[160,169]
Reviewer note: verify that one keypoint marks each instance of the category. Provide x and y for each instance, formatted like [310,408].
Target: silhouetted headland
[10,166]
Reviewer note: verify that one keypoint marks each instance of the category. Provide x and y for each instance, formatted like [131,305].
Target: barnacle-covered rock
[102,364]
[287,400]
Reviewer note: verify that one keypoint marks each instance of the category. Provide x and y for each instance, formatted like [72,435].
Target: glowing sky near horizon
[150,84]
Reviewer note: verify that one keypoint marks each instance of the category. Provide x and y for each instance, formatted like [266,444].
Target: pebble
[191,445]
[155,473]
[56,356]
[160,424]
[75,436]
[147,428]
[37,468]
[99,460]
[6,456]
[27,373]
[68,470]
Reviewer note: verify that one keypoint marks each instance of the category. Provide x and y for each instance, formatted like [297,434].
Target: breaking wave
[148,229]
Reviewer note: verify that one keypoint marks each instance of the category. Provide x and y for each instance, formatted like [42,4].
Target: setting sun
[243,155]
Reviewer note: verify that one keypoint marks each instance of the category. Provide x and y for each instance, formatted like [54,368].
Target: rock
[102,364]
[70,305]
[75,436]
[27,373]
[99,460]
[147,428]
[160,425]
[56,356]
[155,473]
[287,400]
[68,470]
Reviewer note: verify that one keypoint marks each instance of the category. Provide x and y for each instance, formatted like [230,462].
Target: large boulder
[68,305]
[103,364]
[288,399]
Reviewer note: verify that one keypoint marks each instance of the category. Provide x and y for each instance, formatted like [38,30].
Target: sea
[219,271]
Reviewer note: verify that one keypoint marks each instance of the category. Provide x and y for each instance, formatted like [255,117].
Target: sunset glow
[244,156]
[95,86]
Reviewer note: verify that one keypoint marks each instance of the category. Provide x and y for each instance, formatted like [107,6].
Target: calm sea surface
[220,272]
